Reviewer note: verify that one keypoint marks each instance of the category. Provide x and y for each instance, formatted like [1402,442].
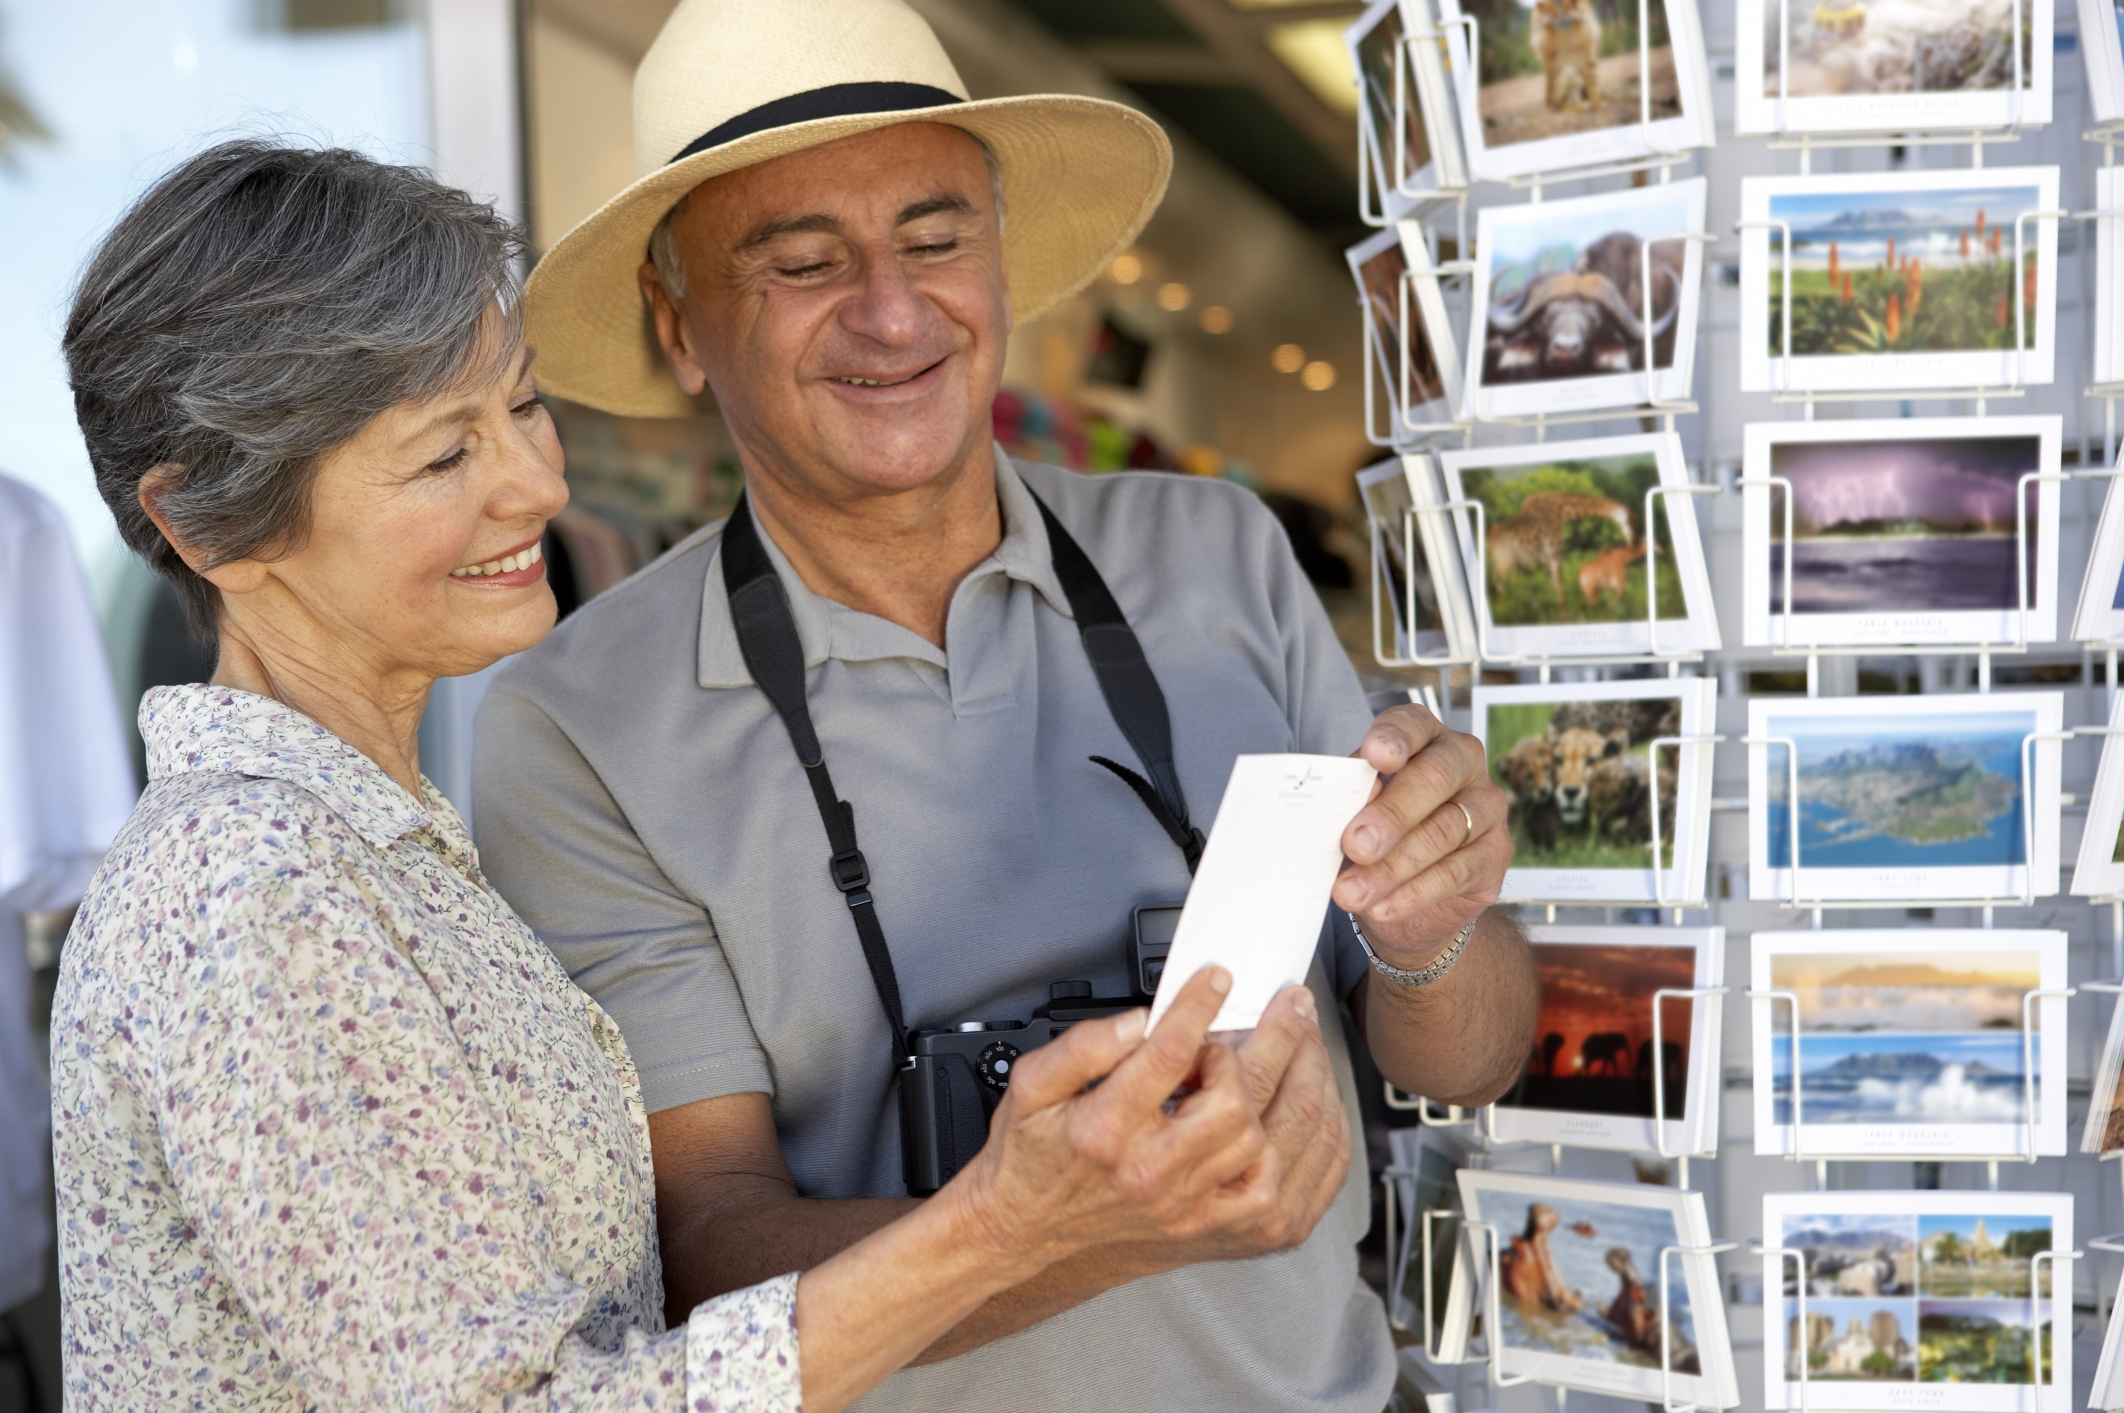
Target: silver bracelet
[1401,976]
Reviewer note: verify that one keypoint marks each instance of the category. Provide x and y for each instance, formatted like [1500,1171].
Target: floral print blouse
[334,1130]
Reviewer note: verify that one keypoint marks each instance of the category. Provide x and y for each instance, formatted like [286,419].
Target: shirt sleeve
[328,1135]
[557,845]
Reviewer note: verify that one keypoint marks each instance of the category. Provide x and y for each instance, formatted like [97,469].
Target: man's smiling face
[848,306]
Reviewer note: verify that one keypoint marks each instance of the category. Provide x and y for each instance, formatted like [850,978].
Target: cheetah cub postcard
[1577,760]
[1580,550]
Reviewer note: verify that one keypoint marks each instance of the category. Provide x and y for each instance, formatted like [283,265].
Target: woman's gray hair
[254,311]
[671,270]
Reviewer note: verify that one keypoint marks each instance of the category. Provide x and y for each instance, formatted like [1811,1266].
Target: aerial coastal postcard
[1903,530]
[1909,1041]
[1589,1080]
[1899,280]
[1917,797]
[1919,1300]
[1578,1286]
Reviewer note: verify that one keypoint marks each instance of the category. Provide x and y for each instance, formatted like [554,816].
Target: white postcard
[1579,1267]
[1910,1042]
[2109,287]
[1899,280]
[2104,1130]
[1426,1162]
[1565,313]
[1903,530]
[2099,617]
[1903,797]
[2108,1390]
[1918,1300]
[1578,551]
[1405,327]
[1575,760]
[1261,892]
[1408,130]
[1419,580]
[1890,66]
[1549,87]
[1595,1077]
[2100,21]
[2100,866]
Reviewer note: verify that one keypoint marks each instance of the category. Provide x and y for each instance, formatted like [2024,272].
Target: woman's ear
[236,577]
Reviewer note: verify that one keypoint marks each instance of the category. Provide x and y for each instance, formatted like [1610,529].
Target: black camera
[956,1075]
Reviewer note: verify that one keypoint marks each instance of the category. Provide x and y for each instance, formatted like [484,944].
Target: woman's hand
[1068,1166]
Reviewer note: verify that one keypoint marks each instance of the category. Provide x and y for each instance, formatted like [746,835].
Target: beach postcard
[1554,84]
[1567,564]
[1563,290]
[1876,65]
[1588,1081]
[1909,1042]
[1902,531]
[1903,797]
[1909,1289]
[1899,280]
[1577,1299]
[1575,761]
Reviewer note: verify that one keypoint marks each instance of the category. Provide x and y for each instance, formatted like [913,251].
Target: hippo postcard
[1587,788]
[1554,84]
[1597,1074]
[1871,281]
[1575,1298]
[1874,65]
[1586,547]
[1909,1042]
[1922,798]
[1571,291]
[1892,1296]
[1900,530]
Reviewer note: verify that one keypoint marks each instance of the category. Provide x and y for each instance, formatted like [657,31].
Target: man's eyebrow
[793,225]
[943,203]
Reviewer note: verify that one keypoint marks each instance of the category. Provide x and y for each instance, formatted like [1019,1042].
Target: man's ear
[671,332]
[236,577]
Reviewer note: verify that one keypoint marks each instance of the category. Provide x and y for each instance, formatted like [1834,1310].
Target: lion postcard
[1585,786]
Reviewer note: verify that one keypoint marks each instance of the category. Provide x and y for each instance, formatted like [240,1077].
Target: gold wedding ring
[1470,835]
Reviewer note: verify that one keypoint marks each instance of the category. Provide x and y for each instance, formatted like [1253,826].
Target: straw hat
[729,83]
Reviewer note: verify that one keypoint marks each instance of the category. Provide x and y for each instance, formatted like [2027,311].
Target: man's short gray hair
[254,311]
[671,270]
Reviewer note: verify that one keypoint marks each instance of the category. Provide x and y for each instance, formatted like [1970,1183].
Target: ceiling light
[1288,358]
[1126,269]
[1216,319]
[1314,50]
[1318,376]
[1174,297]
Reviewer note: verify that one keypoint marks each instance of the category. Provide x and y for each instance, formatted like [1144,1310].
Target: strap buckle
[851,872]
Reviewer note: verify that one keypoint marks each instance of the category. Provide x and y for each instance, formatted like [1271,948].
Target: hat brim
[1081,176]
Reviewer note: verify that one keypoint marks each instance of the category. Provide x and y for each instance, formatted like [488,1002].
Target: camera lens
[995,1063]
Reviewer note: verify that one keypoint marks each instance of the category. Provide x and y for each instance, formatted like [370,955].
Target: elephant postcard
[1873,281]
[1926,1300]
[1586,303]
[1555,84]
[1946,799]
[1595,772]
[1891,65]
[1583,551]
[1900,530]
[1598,1077]
[1574,1287]
[1930,1042]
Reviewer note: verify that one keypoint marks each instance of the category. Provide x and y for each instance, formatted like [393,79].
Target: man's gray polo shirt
[641,805]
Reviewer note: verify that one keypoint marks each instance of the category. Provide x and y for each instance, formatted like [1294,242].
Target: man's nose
[886,308]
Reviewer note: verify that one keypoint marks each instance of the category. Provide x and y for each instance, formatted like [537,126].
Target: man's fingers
[1290,1020]
[1396,735]
[1216,1135]
[1147,1078]
[1443,833]
[1087,1051]
[1465,882]
[1448,765]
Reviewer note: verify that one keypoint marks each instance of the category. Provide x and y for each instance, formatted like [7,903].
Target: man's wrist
[1429,964]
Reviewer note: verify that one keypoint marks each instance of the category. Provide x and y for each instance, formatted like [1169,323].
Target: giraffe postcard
[1919,1300]
[1583,551]
[1927,1042]
[1575,1297]
[1597,1076]
[1901,530]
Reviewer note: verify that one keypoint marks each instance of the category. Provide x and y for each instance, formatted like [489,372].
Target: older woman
[333,1129]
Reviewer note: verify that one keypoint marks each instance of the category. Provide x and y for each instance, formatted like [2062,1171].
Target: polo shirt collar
[831,630]
[200,728]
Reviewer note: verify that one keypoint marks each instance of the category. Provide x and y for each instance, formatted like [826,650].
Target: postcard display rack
[1443,204]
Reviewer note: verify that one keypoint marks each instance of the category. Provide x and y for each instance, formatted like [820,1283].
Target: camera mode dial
[995,1063]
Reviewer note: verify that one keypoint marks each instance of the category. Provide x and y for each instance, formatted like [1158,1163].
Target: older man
[770,873]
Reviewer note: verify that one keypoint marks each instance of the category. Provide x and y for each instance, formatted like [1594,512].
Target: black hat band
[839,100]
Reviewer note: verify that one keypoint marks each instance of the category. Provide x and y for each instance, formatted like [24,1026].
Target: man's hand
[1429,852]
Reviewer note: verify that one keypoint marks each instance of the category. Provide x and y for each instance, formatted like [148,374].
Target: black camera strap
[774,655]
